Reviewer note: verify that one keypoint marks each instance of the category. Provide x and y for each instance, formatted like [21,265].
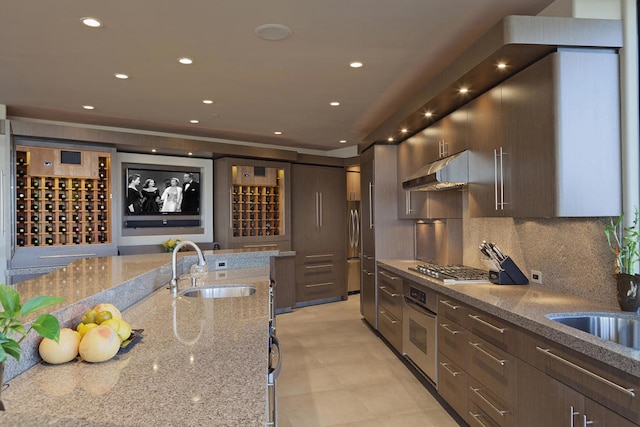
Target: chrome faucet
[174,274]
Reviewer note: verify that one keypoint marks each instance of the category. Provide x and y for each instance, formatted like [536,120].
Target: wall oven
[419,328]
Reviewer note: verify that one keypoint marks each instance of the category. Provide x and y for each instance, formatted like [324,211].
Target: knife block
[509,274]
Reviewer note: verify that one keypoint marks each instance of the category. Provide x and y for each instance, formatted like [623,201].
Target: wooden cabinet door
[455,133]
[597,415]
[412,155]
[367,213]
[332,190]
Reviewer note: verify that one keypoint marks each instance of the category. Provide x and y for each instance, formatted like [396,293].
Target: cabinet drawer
[451,309]
[309,291]
[390,281]
[452,341]
[390,327]
[316,272]
[611,388]
[496,331]
[452,384]
[495,369]
[493,410]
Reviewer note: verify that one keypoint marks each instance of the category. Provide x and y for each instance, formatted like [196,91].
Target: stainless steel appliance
[353,247]
[450,274]
[275,362]
[419,328]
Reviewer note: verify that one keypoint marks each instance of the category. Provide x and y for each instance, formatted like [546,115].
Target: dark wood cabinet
[319,231]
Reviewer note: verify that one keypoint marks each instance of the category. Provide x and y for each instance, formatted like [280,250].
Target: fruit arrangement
[97,338]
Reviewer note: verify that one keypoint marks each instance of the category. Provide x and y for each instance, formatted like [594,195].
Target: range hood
[444,174]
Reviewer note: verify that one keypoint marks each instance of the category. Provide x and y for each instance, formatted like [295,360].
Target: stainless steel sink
[619,328]
[229,291]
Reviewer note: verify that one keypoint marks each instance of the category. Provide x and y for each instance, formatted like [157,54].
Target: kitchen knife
[499,253]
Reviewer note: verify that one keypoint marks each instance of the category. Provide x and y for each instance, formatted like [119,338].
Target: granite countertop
[200,361]
[526,307]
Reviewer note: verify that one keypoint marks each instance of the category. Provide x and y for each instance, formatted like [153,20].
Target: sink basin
[621,329]
[219,291]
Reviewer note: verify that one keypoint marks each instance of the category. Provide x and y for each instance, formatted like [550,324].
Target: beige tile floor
[337,372]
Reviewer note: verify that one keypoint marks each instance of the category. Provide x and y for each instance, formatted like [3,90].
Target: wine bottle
[35,229]
[62,218]
[35,218]
[48,218]
[35,241]
[49,241]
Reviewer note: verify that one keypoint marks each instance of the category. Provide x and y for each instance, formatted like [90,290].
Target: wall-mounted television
[160,196]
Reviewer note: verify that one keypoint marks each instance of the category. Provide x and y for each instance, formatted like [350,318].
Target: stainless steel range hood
[444,174]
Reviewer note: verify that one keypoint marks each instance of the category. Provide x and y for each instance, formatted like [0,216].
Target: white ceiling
[51,65]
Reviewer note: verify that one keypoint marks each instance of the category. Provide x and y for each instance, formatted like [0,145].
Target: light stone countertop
[200,361]
[526,306]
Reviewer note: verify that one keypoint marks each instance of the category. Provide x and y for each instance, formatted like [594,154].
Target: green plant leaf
[9,298]
[13,349]
[38,303]
[47,326]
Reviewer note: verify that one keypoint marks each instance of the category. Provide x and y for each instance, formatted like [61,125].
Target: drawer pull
[446,366]
[498,411]
[391,294]
[388,276]
[486,353]
[476,418]
[445,326]
[384,314]
[316,285]
[484,322]
[319,256]
[311,267]
[448,304]
[627,391]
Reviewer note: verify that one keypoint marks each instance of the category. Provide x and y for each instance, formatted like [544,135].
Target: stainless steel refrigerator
[353,246]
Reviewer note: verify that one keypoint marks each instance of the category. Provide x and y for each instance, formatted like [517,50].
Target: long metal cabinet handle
[491,405]
[311,267]
[448,304]
[320,210]
[317,285]
[446,366]
[384,314]
[446,327]
[627,391]
[477,345]
[319,256]
[476,418]
[495,177]
[356,237]
[572,413]
[370,204]
[501,180]
[391,294]
[484,322]
[585,423]
[316,209]
[388,276]
[407,202]
[351,228]
[276,343]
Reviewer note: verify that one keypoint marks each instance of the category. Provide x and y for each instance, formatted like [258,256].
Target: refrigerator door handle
[356,237]
[351,228]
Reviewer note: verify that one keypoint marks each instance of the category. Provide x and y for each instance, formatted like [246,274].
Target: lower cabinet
[320,276]
[494,374]
[390,305]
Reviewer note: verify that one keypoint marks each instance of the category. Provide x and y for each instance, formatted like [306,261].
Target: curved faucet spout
[174,273]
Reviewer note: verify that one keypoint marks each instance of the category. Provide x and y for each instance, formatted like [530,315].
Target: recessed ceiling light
[91,22]
[356,64]
[277,132]
[334,103]
[404,130]
[194,121]
[273,32]
[190,153]
[121,76]
[185,60]
[343,141]
[501,65]
[88,107]
[207,101]
[463,90]
[214,114]
[390,139]
[153,150]
[428,114]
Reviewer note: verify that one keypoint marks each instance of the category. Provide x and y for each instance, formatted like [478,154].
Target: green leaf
[3,355]
[13,349]
[38,303]
[9,298]
[47,326]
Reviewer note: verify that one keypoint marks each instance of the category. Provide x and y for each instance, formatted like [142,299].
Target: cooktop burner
[452,273]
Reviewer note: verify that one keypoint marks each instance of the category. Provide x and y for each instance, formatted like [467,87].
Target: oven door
[419,337]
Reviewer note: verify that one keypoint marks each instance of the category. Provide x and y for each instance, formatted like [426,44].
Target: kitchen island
[199,362]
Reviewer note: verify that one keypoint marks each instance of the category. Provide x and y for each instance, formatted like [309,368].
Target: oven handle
[417,307]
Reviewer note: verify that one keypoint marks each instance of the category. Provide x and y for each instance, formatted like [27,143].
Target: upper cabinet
[546,142]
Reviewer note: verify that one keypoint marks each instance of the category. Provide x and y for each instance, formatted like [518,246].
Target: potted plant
[13,328]
[625,244]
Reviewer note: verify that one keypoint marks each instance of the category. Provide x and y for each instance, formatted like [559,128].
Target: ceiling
[51,65]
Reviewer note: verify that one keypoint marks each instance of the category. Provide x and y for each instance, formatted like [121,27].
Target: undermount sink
[621,329]
[229,291]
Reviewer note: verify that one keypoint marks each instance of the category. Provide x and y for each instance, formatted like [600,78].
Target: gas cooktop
[450,274]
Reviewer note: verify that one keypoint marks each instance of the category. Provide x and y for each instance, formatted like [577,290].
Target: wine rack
[256,210]
[54,210]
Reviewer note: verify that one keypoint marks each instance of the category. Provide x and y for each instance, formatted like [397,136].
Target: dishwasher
[419,339]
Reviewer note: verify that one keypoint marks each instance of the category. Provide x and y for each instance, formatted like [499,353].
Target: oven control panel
[418,295]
